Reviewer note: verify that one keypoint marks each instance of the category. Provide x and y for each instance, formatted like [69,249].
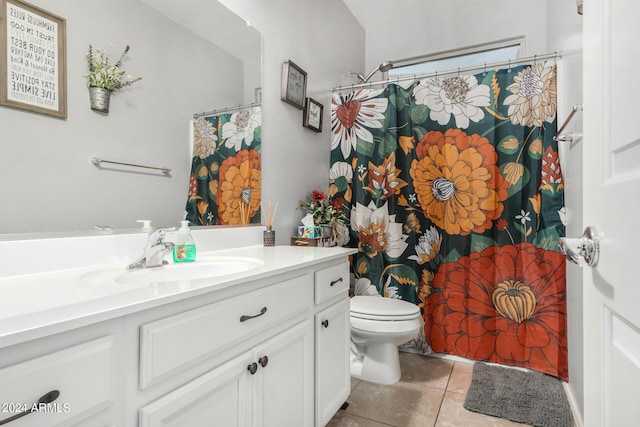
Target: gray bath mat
[525,397]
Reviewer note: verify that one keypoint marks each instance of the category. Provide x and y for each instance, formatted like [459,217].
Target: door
[333,379]
[284,379]
[221,397]
[612,204]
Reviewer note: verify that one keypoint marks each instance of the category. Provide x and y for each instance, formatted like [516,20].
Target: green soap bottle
[184,249]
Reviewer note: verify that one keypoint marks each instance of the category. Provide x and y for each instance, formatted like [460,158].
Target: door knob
[585,248]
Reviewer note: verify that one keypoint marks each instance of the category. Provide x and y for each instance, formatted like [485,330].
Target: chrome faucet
[154,252]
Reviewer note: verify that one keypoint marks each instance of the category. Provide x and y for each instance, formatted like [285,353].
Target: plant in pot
[104,78]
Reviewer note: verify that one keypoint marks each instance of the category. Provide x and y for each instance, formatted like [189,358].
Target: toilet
[378,326]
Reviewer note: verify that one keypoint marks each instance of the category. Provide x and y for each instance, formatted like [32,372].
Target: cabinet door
[284,381]
[333,380]
[221,397]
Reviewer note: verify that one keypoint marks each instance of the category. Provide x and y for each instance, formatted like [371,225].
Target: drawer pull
[325,323]
[333,282]
[263,361]
[45,398]
[253,368]
[245,317]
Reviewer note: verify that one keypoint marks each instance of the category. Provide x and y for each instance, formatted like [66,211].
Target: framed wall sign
[294,85]
[33,73]
[312,117]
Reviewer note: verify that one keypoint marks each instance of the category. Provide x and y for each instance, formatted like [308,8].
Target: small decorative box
[309,232]
[317,241]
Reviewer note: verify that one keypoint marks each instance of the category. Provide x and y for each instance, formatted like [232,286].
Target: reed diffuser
[269,235]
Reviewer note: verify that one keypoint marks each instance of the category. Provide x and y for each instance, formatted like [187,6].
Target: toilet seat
[382,309]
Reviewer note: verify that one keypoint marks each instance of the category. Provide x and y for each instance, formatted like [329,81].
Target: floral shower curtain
[226,177]
[455,197]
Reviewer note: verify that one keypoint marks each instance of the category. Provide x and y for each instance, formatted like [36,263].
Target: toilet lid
[378,308]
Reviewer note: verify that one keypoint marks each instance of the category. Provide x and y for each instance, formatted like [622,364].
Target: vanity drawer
[331,281]
[177,342]
[84,375]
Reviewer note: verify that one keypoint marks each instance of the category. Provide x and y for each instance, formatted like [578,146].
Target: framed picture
[312,117]
[33,42]
[294,85]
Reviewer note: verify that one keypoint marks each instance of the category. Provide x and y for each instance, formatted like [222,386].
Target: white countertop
[41,304]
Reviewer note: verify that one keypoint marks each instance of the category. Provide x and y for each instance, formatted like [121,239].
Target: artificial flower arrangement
[102,74]
[323,211]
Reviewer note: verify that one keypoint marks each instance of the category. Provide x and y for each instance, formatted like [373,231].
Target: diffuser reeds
[269,215]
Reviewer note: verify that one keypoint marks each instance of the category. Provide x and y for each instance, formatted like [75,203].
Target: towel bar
[97,161]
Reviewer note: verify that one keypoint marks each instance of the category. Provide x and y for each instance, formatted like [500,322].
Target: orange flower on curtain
[226,177]
[240,187]
[458,182]
[513,294]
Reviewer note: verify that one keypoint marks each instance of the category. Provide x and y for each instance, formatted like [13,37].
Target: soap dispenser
[184,249]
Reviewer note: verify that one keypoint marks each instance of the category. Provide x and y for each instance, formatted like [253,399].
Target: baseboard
[575,409]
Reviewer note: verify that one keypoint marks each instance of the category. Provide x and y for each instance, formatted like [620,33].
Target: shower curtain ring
[484,70]
[458,72]
[509,69]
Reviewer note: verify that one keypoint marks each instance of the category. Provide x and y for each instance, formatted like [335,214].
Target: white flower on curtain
[240,128]
[533,96]
[204,138]
[341,169]
[363,286]
[460,96]
[428,246]
[352,114]
[378,230]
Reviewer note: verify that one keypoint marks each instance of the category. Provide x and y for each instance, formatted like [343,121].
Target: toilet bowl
[378,326]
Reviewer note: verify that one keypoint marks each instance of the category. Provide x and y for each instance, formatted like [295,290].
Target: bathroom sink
[204,268]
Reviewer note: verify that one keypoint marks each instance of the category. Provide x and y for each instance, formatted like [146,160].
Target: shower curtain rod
[509,63]
[226,110]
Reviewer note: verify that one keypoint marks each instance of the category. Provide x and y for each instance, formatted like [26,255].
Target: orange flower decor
[240,187]
[457,181]
[385,179]
[505,305]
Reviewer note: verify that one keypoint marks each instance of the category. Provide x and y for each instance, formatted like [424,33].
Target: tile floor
[430,393]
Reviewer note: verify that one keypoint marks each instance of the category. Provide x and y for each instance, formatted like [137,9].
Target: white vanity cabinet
[270,385]
[284,371]
[268,350]
[332,333]
[77,374]
[268,381]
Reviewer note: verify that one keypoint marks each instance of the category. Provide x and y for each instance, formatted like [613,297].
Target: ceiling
[374,14]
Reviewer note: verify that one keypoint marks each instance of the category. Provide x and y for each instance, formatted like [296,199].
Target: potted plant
[104,78]
[325,213]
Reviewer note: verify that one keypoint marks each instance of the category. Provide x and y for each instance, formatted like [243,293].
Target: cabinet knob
[253,368]
[263,361]
[325,323]
[45,398]
[333,282]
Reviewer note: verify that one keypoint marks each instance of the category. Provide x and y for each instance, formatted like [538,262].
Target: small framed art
[294,85]
[33,69]
[312,117]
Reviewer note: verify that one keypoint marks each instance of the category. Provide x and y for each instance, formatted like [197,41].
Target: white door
[612,204]
[284,380]
[221,397]
[333,379]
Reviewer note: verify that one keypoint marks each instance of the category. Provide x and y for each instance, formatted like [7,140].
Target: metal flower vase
[99,98]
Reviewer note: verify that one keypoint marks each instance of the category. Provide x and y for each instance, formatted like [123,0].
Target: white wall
[324,39]
[565,34]
[47,180]
[421,32]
